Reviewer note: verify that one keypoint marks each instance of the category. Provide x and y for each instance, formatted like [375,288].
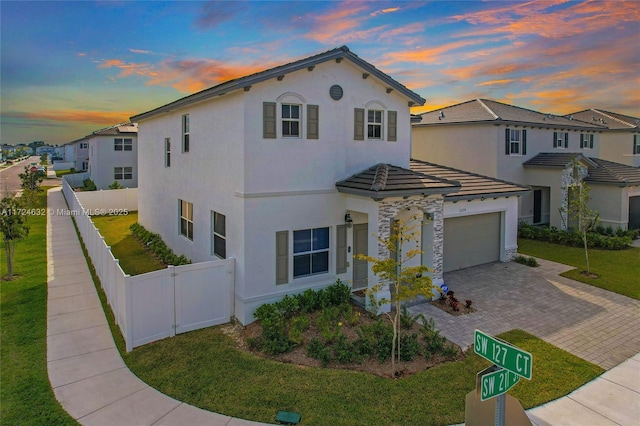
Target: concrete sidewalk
[95,387]
[85,369]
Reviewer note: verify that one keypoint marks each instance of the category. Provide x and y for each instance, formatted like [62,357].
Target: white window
[290,120]
[636,144]
[167,152]
[122,173]
[560,139]
[186,219]
[586,140]
[122,144]
[514,141]
[310,252]
[84,145]
[374,124]
[185,133]
[219,235]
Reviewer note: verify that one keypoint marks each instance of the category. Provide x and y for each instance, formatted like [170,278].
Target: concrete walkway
[85,369]
[95,387]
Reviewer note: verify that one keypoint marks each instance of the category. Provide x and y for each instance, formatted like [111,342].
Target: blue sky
[71,67]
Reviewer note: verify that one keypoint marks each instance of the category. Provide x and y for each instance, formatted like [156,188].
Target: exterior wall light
[348,220]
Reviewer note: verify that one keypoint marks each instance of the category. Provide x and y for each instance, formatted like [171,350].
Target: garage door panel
[471,240]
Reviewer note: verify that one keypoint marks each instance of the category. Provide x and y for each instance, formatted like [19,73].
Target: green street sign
[503,354]
[496,383]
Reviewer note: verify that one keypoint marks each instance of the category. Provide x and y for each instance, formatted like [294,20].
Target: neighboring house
[46,149]
[499,140]
[621,141]
[294,170]
[113,156]
[80,153]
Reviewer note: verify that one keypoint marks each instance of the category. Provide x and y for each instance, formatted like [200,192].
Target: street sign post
[496,383]
[502,354]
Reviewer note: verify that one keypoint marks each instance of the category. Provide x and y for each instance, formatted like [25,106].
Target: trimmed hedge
[607,240]
[157,246]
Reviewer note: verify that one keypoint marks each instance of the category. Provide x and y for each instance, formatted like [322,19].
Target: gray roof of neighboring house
[473,186]
[493,112]
[118,129]
[337,54]
[611,120]
[385,180]
[600,171]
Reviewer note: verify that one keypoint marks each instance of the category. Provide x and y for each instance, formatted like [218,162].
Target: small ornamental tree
[406,282]
[31,180]
[578,214]
[13,228]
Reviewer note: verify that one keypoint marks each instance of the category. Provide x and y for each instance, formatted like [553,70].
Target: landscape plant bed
[446,306]
[298,355]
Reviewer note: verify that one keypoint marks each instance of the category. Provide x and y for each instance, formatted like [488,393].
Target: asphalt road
[9,180]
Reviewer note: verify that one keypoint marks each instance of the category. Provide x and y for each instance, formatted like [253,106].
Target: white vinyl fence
[76,180]
[159,304]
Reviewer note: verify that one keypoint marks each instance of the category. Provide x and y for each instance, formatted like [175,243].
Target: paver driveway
[592,323]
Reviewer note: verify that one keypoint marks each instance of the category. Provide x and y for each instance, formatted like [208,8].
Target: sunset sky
[69,68]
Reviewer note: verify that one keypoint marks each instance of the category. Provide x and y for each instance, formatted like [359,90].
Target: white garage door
[471,240]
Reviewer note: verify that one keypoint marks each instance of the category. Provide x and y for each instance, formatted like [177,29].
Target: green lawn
[134,258]
[26,395]
[205,369]
[617,271]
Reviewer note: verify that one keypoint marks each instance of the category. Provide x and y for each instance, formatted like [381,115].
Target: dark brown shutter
[392,126]
[341,249]
[282,257]
[358,124]
[555,139]
[507,148]
[581,140]
[269,120]
[524,142]
[312,121]
[566,140]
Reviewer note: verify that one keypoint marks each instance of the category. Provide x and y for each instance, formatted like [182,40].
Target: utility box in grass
[288,418]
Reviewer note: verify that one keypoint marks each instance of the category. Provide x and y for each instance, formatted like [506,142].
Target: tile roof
[558,160]
[385,180]
[488,111]
[473,185]
[613,173]
[600,171]
[337,54]
[611,120]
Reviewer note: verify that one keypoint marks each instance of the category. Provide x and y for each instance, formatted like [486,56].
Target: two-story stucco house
[620,143]
[80,153]
[113,156]
[293,170]
[531,148]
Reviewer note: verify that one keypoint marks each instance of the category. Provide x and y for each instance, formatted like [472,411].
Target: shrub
[307,301]
[288,306]
[116,185]
[344,350]
[89,185]
[409,347]
[525,260]
[434,342]
[338,293]
[602,238]
[316,349]
[407,321]
[157,246]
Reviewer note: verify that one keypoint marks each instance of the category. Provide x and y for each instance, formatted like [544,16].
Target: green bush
[525,260]
[89,185]
[157,246]
[602,238]
[344,350]
[116,185]
[410,347]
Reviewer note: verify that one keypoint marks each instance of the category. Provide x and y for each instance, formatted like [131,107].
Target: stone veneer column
[389,209]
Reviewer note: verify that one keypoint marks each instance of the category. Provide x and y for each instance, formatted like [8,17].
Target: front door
[537,206]
[360,246]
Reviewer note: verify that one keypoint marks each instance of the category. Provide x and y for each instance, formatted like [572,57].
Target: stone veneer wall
[388,210]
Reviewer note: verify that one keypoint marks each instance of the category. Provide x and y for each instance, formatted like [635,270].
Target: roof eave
[381,195]
[487,195]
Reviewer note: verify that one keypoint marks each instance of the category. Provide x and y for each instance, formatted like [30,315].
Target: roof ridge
[495,116]
[608,114]
[380,178]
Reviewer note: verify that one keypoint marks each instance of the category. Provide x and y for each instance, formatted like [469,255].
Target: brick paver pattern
[595,324]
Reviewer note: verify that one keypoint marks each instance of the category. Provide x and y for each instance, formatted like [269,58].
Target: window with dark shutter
[507,142]
[313,131]
[392,126]
[555,139]
[524,142]
[566,140]
[358,124]
[282,257]
[581,140]
[269,120]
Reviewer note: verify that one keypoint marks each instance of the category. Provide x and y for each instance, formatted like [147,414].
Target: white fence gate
[159,304]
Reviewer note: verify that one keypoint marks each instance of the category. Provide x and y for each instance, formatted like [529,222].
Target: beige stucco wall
[471,148]
[617,146]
